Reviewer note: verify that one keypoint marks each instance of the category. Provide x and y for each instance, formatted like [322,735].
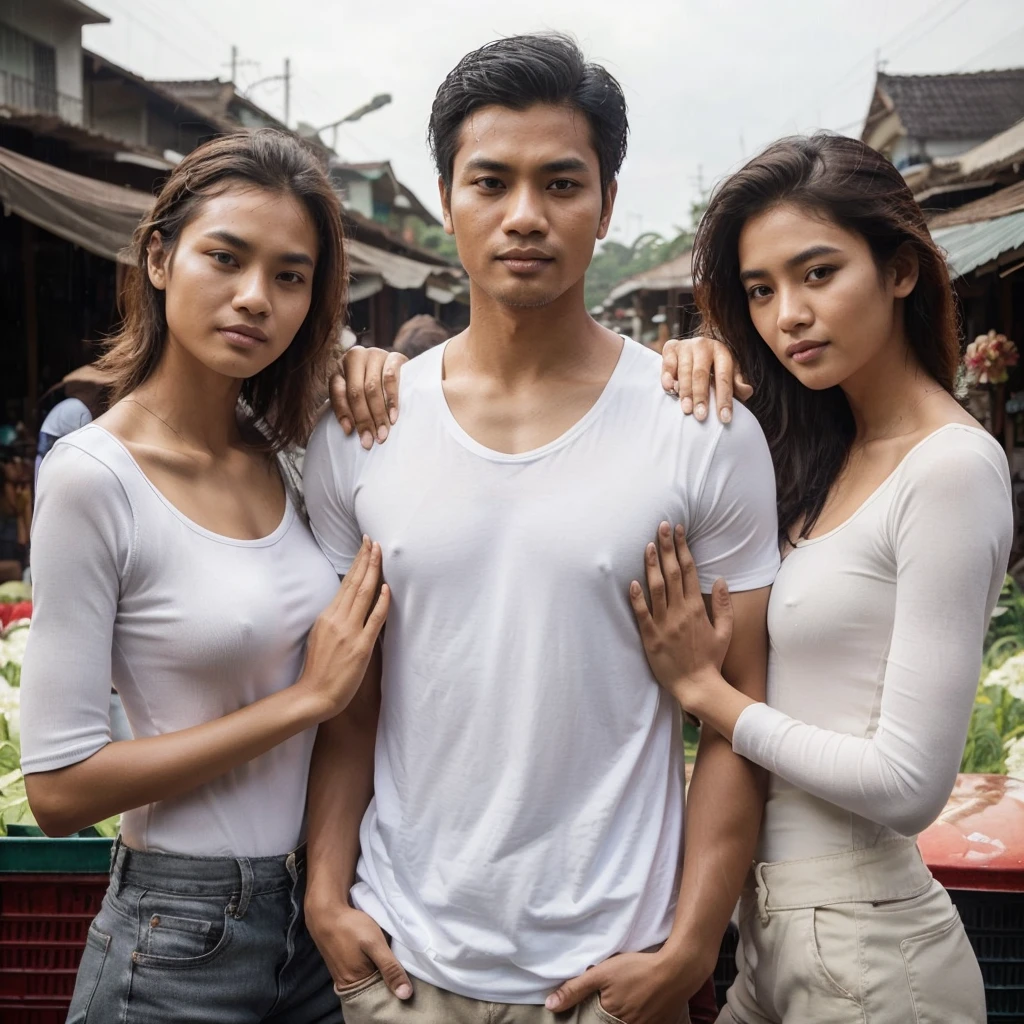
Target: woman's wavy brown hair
[284,396]
[810,432]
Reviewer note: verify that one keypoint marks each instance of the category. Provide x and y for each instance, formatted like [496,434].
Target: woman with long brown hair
[170,558]
[815,262]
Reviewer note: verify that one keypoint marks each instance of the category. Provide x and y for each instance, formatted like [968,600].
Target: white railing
[24,94]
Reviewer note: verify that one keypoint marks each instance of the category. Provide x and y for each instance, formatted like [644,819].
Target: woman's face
[239,281]
[816,295]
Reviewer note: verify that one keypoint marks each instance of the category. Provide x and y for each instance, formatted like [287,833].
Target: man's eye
[563,185]
[489,183]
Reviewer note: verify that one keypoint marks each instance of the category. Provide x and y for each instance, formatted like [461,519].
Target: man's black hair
[522,70]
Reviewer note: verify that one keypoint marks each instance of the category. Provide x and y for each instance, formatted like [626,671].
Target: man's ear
[156,261]
[606,208]
[446,206]
[904,269]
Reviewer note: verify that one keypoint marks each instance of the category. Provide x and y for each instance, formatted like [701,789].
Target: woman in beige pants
[895,524]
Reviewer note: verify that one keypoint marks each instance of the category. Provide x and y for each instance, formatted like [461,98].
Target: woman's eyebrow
[240,243]
[794,261]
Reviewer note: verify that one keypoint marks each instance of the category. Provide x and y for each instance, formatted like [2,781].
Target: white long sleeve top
[876,641]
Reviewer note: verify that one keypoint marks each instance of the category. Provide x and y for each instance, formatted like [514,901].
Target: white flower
[1015,758]
[1009,675]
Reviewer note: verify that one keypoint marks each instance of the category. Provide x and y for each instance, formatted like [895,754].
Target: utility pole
[234,63]
[287,90]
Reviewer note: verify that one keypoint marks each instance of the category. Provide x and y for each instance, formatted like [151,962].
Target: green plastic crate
[26,851]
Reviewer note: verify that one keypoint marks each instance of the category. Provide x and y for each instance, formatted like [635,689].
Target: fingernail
[700,410]
[550,1003]
[687,405]
[393,416]
[346,425]
[403,991]
[366,439]
[663,529]
[382,433]
[726,415]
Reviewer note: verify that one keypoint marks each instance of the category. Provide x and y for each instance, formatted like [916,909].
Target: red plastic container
[44,919]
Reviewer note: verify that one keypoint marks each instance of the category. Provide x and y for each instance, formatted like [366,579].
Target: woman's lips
[807,353]
[240,340]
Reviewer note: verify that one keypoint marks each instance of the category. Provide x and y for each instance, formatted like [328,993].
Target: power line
[159,36]
[1003,39]
[928,31]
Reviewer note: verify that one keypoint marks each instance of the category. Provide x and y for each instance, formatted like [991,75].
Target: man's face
[526,204]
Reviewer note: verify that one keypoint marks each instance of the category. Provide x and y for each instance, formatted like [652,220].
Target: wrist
[686,955]
[696,690]
[308,706]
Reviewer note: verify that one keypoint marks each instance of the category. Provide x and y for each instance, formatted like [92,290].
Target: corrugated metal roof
[969,246]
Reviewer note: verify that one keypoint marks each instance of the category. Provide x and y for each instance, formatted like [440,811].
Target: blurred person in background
[418,334]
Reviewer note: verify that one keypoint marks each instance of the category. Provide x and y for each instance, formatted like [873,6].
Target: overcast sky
[708,82]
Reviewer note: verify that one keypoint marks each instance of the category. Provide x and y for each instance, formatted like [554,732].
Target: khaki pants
[370,1002]
[867,937]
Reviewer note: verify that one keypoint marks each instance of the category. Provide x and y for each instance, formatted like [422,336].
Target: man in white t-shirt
[515,782]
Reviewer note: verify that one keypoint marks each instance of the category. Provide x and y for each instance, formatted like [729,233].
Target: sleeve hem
[51,762]
[755,579]
[752,726]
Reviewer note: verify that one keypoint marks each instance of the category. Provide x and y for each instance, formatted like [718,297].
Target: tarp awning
[398,271]
[969,246]
[96,215]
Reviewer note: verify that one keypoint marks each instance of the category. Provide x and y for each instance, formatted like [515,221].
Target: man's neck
[517,345]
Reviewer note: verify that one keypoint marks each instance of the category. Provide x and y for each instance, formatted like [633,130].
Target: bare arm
[726,796]
[132,773]
[340,789]
[725,801]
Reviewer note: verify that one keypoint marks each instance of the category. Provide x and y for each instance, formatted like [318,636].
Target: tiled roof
[965,106]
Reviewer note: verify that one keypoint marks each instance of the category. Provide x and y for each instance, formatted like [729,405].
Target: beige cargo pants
[867,937]
[371,1002]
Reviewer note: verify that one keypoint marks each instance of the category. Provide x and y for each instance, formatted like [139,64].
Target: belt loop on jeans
[292,867]
[245,870]
[762,894]
[117,864]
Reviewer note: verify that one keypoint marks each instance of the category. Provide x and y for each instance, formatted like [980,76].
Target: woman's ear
[904,269]
[156,261]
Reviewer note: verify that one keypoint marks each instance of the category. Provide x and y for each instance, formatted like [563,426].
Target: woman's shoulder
[956,447]
[955,478]
[88,466]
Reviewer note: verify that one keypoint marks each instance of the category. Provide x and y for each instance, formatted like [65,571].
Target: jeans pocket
[97,944]
[182,932]
[944,977]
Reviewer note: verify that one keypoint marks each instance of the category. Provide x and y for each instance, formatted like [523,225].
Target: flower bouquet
[989,357]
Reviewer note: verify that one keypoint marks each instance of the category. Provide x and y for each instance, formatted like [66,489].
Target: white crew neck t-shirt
[876,631]
[188,625]
[528,810]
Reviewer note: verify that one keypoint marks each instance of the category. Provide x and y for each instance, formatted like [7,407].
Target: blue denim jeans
[203,940]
